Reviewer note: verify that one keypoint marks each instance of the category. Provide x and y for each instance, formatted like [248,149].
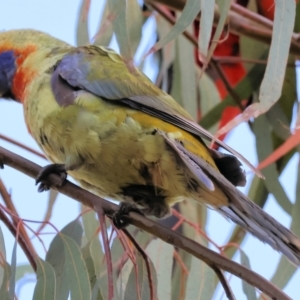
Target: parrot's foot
[58,169]
[121,217]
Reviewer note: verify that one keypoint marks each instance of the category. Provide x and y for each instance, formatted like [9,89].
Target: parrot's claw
[121,217]
[42,178]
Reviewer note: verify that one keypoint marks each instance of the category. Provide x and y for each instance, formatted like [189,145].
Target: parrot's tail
[239,208]
[253,219]
[246,213]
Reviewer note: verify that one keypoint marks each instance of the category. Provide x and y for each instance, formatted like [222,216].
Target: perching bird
[122,137]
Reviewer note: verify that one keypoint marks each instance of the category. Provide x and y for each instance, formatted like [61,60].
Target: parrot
[121,137]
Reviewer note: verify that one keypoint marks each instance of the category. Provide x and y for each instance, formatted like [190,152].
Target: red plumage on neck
[22,75]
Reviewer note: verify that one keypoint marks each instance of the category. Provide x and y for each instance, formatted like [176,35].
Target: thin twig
[224,282]
[14,142]
[108,258]
[127,247]
[12,228]
[146,259]
[195,226]
[180,262]
[171,237]
[31,254]
[255,17]
[227,85]
[235,59]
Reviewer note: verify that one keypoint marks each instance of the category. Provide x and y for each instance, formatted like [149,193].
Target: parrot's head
[15,47]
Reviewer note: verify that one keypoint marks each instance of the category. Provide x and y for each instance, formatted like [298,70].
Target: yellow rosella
[122,137]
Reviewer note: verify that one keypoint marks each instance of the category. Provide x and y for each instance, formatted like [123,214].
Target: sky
[59,18]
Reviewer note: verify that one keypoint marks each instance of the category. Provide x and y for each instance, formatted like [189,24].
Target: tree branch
[224,283]
[241,23]
[208,256]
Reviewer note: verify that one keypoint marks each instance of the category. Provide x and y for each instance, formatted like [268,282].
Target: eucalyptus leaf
[264,148]
[22,270]
[117,252]
[200,282]
[224,7]
[139,276]
[184,88]
[45,288]
[105,29]
[56,256]
[118,9]
[82,32]
[4,292]
[271,86]
[161,255]
[76,271]
[135,23]
[90,223]
[2,256]
[12,280]
[188,15]
[205,26]
[285,270]
[89,263]
[248,289]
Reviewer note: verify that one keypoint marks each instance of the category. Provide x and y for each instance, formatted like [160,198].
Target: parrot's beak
[6,96]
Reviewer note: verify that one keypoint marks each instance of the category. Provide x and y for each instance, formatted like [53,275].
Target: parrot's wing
[102,72]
